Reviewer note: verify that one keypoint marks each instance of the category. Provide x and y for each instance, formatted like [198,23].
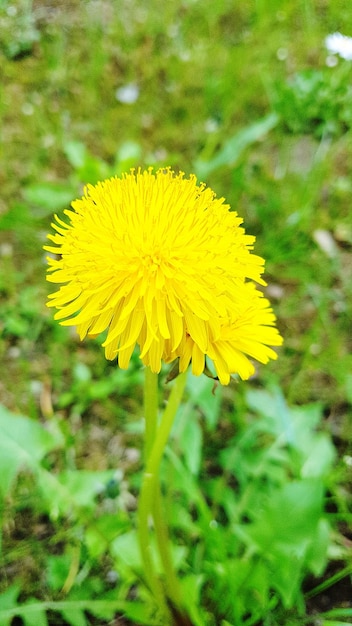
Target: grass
[242,95]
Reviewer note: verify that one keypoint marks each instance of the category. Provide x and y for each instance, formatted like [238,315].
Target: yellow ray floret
[158,261]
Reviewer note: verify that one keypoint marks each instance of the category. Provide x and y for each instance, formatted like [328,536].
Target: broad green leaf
[74,490]
[33,614]
[8,600]
[23,443]
[47,198]
[16,217]
[234,147]
[88,168]
[57,569]
[205,394]
[103,530]
[318,551]
[187,483]
[312,452]
[85,485]
[191,586]
[320,457]
[76,153]
[125,549]
[189,437]
[141,614]
[272,406]
[284,532]
[128,155]
[74,617]
[57,498]
[291,514]
[192,446]
[104,609]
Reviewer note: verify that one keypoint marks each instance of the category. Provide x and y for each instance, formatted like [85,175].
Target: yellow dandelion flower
[160,262]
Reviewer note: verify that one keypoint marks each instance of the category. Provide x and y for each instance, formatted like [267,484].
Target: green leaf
[33,614]
[75,617]
[103,610]
[191,587]
[284,532]
[47,198]
[139,613]
[318,551]
[76,153]
[74,490]
[339,613]
[328,622]
[319,457]
[85,485]
[189,485]
[16,217]
[88,168]
[57,569]
[8,600]
[312,452]
[206,395]
[103,530]
[126,551]
[125,548]
[272,406]
[234,147]
[191,444]
[63,500]
[291,514]
[23,443]
[128,155]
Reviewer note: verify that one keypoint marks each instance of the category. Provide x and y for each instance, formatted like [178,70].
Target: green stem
[150,410]
[153,470]
[166,423]
[144,506]
[346,571]
[150,496]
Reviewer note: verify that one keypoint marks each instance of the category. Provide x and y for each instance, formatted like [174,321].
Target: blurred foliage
[315,100]
[258,488]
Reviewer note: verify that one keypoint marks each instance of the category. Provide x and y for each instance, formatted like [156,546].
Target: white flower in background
[127,94]
[339,44]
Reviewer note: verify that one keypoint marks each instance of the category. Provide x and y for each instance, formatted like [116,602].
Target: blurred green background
[246,96]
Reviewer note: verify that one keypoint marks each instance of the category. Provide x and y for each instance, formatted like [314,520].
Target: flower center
[152,261]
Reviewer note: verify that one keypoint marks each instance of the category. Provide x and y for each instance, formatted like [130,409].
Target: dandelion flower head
[160,262]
